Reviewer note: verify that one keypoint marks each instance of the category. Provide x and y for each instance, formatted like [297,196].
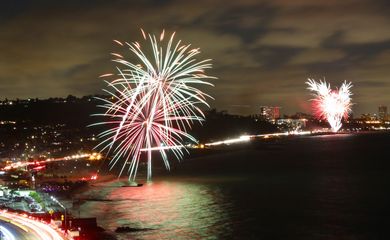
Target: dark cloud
[262,51]
[372,84]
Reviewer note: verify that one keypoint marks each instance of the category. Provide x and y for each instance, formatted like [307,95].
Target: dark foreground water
[320,187]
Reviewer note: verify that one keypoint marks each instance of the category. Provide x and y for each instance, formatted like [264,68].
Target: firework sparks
[331,105]
[152,103]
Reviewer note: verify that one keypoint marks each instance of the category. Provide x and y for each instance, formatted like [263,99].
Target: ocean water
[317,187]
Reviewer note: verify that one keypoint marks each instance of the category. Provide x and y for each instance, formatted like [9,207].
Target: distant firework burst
[153,102]
[331,105]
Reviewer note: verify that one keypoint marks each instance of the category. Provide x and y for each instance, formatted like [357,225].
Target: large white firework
[154,101]
[331,105]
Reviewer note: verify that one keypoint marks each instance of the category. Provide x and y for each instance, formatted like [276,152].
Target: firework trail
[331,105]
[152,103]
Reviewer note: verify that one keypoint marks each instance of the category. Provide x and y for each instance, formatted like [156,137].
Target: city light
[36,228]
[6,233]
[247,138]
[244,138]
[22,164]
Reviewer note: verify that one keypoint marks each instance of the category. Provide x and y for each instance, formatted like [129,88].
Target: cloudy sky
[262,51]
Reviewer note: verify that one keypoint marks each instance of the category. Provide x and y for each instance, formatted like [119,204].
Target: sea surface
[310,187]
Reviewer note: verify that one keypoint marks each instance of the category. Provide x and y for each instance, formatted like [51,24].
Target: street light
[61,205]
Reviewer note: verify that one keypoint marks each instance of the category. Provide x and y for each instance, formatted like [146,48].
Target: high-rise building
[382,112]
[269,113]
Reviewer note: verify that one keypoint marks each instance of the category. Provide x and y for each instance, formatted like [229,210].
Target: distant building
[291,124]
[301,115]
[269,113]
[369,117]
[382,113]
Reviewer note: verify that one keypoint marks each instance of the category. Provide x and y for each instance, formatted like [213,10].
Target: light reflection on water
[309,188]
[161,210]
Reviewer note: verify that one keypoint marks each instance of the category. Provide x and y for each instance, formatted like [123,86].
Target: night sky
[262,51]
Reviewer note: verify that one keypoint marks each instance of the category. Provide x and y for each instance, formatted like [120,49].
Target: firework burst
[152,103]
[331,105]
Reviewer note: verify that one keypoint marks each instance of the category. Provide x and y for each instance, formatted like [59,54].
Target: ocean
[308,187]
